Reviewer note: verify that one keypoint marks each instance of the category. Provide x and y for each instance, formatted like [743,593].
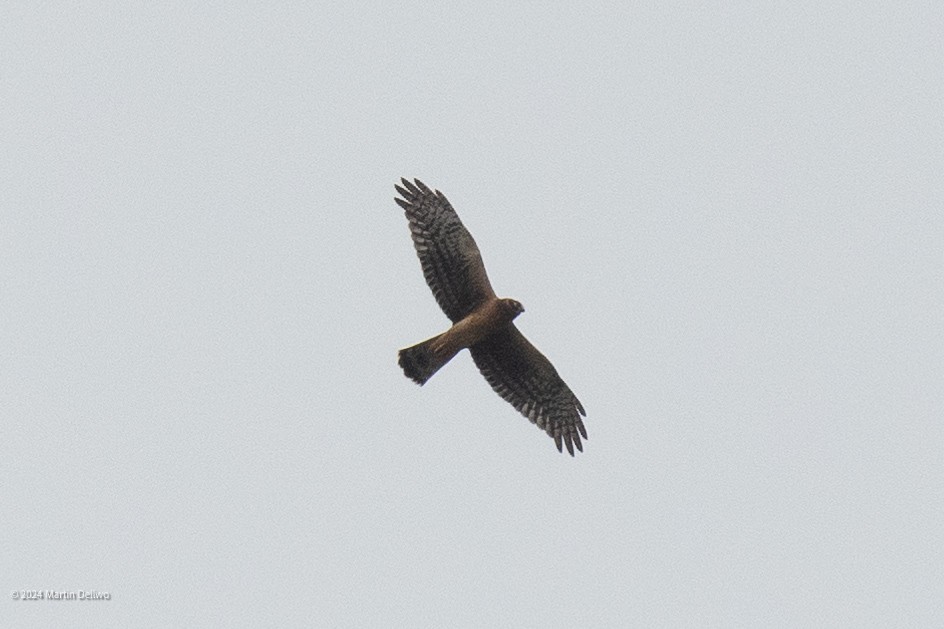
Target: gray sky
[725,224]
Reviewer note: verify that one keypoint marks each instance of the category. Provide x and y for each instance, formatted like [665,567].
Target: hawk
[481,322]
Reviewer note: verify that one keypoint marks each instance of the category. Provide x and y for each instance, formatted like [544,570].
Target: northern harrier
[482,322]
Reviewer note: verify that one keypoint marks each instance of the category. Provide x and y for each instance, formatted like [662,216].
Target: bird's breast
[478,324]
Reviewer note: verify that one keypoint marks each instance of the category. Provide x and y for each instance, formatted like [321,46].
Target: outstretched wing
[526,378]
[450,258]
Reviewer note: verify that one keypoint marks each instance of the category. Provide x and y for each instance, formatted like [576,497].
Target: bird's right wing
[448,254]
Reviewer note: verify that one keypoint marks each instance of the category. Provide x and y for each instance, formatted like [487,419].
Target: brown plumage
[482,322]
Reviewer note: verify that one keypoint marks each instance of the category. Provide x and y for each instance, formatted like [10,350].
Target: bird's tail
[421,361]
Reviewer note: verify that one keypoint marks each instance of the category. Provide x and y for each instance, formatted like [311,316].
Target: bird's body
[482,322]
[421,361]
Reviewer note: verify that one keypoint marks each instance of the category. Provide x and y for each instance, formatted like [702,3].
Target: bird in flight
[481,322]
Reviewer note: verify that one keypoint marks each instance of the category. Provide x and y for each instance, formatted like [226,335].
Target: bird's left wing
[524,377]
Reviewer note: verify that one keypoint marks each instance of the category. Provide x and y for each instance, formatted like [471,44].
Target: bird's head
[512,307]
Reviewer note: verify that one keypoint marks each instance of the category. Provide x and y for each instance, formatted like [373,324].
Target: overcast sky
[726,226]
